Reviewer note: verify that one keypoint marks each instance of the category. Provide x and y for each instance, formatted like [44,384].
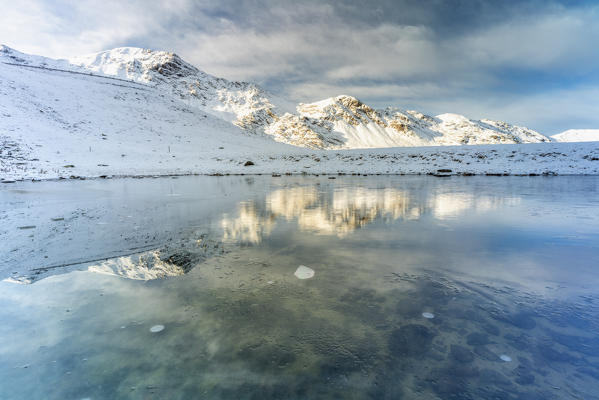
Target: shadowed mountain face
[333,123]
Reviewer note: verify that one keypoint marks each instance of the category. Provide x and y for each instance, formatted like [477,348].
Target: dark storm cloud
[443,16]
[531,62]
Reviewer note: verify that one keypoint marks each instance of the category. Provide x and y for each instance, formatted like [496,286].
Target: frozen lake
[262,287]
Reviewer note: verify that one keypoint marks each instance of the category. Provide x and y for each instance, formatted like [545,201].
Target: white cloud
[397,95]
[564,40]
[63,28]
[549,112]
[308,42]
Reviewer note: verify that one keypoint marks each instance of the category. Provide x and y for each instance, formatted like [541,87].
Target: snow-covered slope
[577,135]
[58,120]
[132,111]
[245,104]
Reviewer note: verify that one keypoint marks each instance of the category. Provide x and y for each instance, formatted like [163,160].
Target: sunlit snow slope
[57,115]
[577,135]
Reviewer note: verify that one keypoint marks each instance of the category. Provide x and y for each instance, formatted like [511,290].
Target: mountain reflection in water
[316,209]
[341,211]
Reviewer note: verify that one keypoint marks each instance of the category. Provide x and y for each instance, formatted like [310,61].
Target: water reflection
[328,208]
[510,321]
[340,211]
[249,225]
[452,205]
[332,209]
[144,266]
[243,327]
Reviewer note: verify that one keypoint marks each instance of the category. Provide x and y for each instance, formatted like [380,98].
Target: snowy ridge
[346,122]
[242,103]
[577,135]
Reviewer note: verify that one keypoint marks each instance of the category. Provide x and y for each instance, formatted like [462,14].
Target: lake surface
[422,288]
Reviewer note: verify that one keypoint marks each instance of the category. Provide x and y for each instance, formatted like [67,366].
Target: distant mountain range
[335,123]
[577,135]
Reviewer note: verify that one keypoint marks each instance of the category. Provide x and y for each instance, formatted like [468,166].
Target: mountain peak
[346,107]
[14,55]
[136,63]
[344,98]
[577,135]
[451,117]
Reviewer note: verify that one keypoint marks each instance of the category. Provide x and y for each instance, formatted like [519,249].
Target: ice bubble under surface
[303,272]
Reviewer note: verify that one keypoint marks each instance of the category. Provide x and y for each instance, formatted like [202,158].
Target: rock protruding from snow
[577,135]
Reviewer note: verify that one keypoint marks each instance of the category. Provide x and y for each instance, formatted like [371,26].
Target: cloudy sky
[529,62]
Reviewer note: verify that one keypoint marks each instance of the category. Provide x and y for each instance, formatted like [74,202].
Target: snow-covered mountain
[577,135]
[341,122]
[245,104]
[346,122]
[126,112]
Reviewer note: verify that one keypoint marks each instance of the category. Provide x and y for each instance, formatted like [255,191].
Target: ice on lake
[303,272]
[157,328]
